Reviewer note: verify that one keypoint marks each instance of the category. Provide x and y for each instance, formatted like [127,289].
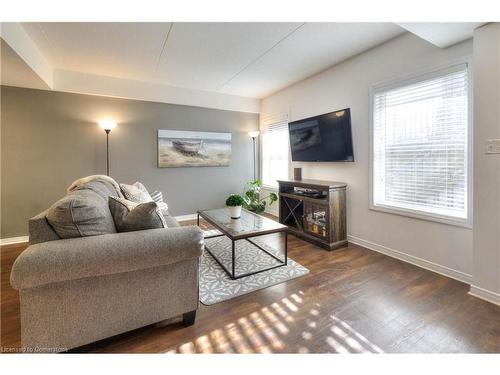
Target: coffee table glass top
[247,225]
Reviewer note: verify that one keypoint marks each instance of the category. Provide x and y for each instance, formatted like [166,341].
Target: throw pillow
[81,213]
[131,216]
[157,196]
[136,193]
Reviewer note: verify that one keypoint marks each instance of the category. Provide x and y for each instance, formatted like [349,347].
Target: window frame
[405,81]
[266,122]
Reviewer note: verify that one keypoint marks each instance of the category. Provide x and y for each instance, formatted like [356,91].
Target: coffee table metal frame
[243,236]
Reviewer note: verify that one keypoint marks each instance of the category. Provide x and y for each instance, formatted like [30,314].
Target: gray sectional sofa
[75,291]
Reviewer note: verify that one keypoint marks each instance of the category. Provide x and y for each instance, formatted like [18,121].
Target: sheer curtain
[275,150]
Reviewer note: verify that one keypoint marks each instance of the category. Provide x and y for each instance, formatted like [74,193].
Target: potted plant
[234,203]
[253,201]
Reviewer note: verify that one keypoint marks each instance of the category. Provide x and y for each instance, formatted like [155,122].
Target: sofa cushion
[136,193]
[131,216]
[82,212]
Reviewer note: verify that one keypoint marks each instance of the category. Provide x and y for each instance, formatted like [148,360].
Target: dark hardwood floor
[354,300]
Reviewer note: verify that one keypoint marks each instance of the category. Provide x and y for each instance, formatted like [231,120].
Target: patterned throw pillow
[158,198]
[131,216]
[136,193]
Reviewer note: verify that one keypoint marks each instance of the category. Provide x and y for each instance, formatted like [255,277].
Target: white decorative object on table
[234,202]
[235,212]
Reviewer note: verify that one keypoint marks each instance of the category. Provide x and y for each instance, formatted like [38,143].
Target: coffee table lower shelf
[232,273]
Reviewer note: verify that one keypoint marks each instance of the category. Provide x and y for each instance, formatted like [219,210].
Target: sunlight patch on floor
[353,338]
[265,330]
[290,305]
[281,327]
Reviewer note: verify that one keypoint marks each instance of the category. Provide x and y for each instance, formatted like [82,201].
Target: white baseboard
[13,240]
[186,217]
[485,294]
[443,270]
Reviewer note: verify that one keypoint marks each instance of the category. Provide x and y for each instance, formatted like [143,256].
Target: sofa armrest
[76,258]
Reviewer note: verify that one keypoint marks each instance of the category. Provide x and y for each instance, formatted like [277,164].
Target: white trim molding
[431,266]
[14,34]
[186,217]
[13,240]
[90,84]
[16,37]
[485,294]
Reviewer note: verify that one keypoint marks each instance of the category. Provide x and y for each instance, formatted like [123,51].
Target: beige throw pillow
[136,193]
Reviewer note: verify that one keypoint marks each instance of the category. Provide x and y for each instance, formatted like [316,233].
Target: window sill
[422,216]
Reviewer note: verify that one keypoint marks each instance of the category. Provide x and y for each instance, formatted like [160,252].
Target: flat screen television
[322,138]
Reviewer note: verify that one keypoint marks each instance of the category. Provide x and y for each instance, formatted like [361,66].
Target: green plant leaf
[235,200]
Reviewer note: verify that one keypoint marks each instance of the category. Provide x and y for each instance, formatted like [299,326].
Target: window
[275,150]
[420,134]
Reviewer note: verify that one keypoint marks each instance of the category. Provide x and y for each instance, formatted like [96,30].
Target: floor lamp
[107,125]
[254,136]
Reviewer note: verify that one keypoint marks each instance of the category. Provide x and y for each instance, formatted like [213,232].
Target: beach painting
[178,148]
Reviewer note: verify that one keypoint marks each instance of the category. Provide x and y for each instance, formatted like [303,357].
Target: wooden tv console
[320,220]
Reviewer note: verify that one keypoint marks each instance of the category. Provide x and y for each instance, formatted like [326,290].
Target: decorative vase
[235,212]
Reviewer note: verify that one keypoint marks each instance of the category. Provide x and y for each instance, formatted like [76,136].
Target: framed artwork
[179,148]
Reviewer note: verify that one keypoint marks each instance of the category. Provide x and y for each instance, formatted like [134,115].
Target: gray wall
[49,139]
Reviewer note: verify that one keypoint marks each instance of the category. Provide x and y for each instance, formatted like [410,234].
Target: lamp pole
[107,125]
[254,174]
[107,151]
[254,135]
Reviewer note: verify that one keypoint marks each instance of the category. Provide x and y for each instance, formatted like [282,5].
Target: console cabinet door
[316,220]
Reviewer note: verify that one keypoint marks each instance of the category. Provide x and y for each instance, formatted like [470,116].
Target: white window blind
[420,145]
[275,150]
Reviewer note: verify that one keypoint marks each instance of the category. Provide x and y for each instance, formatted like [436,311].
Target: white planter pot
[235,212]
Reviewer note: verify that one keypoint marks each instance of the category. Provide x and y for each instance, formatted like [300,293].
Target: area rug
[216,285]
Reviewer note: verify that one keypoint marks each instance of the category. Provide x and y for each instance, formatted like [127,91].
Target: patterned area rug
[216,285]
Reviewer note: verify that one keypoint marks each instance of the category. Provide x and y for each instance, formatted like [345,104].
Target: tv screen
[322,138]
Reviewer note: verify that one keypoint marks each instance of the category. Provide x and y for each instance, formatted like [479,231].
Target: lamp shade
[254,134]
[107,124]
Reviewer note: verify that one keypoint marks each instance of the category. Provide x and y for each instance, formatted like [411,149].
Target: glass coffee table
[249,225]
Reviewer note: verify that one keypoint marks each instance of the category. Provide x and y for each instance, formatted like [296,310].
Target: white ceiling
[245,59]
[178,62]
[442,34]
[15,72]
[311,49]
[124,50]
